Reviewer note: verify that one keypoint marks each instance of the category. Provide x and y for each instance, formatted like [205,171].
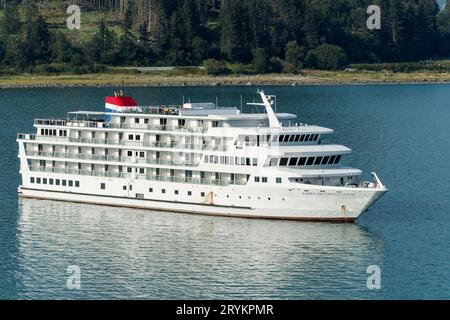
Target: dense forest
[241,36]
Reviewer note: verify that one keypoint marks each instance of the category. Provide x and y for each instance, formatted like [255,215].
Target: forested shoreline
[226,36]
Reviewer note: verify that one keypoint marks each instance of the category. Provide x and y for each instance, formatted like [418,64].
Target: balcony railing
[138,176]
[101,124]
[169,145]
[124,160]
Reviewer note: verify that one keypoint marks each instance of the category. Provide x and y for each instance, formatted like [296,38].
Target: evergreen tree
[9,22]
[234,31]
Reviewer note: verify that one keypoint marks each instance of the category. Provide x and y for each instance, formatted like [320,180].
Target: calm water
[400,131]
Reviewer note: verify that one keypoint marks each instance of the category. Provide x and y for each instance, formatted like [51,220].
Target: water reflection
[128,253]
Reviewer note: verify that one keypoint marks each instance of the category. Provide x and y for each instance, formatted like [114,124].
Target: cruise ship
[196,158]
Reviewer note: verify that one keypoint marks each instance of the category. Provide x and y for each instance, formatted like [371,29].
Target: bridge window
[302,161]
[292,137]
[293,161]
[325,160]
[297,138]
[302,138]
[310,161]
[284,162]
[338,158]
[318,161]
[332,159]
[286,138]
[281,138]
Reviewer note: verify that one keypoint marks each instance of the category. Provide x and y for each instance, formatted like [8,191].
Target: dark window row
[295,138]
[306,161]
[53,132]
[55,182]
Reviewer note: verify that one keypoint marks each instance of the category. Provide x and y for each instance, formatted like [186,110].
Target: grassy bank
[161,79]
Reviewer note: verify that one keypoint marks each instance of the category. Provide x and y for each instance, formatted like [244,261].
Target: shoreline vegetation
[235,42]
[312,77]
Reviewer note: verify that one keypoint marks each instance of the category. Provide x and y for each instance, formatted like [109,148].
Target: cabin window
[202,194]
[255,162]
[136,120]
[50,181]
[163,191]
[129,170]
[293,161]
[150,190]
[141,170]
[130,137]
[38,180]
[302,161]
[310,161]
[138,137]
[102,186]
[57,182]
[64,183]
[44,180]
[256,179]
[176,192]
[284,162]
[264,179]
[70,183]
[142,154]
[124,188]
[189,193]
[279,180]
[275,138]
[77,184]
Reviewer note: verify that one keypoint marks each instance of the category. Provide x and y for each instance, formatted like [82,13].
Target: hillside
[229,36]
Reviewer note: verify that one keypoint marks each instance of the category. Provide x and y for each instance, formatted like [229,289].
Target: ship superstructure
[197,158]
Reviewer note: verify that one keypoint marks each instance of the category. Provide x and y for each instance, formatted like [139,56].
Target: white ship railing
[138,177]
[125,160]
[170,145]
[101,124]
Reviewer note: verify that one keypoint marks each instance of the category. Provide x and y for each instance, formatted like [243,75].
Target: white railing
[128,160]
[169,145]
[139,177]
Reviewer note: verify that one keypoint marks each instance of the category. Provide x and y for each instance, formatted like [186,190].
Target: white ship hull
[312,204]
